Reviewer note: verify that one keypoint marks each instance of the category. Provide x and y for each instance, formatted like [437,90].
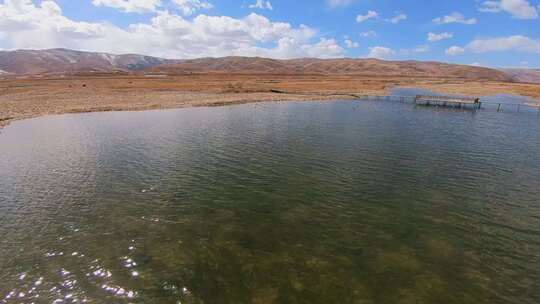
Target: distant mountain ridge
[524,75]
[64,61]
[342,66]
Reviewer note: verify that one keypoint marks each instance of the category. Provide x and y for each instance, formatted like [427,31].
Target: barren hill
[524,75]
[345,66]
[63,61]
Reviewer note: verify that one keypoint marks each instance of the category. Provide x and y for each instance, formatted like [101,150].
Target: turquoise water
[331,202]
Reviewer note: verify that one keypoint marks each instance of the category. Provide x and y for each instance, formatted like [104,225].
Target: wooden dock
[448,101]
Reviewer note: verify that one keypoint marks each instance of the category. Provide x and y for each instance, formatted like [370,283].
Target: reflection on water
[338,202]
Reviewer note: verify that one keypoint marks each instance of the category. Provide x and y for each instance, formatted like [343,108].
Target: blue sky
[499,33]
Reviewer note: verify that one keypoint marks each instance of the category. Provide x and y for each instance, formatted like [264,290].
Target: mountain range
[65,61]
[524,75]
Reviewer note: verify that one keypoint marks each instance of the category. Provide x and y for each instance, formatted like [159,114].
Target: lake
[293,202]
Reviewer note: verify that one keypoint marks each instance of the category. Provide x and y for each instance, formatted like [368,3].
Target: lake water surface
[334,202]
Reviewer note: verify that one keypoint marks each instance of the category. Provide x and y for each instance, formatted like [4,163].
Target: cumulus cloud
[42,25]
[432,37]
[26,25]
[325,48]
[261,4]
[130,6]
[520,9]
[351,44]
[374,15]
[455,17]
[516,43]
[455,50]
[186,7]
[369,15]
[381,52]
[512,43]
[189,7]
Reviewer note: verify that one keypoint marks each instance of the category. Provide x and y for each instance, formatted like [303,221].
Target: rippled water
[335,202]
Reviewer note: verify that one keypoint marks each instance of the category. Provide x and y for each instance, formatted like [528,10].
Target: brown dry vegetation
[25,98]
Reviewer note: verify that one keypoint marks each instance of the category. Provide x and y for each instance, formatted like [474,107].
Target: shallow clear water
[335,202]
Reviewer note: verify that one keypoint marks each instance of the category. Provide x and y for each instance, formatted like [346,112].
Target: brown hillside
[63,61]
[330,67]
[524,75]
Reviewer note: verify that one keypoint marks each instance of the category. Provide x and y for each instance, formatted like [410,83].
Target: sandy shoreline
[203,100]
[28,98]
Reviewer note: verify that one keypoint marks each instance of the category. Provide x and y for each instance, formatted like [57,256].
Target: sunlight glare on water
[330,202]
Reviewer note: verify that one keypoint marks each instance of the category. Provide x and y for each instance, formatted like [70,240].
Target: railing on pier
[512,107]
[466,102]
[446,99]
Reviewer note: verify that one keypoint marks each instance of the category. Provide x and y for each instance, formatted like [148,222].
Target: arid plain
[29,97]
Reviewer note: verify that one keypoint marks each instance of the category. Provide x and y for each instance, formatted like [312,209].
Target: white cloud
[455,17]
[261,4]
[28,25]
[513,43]
[374,15]
[25,24]
[455,50]
[337,3]
[351,44]
[368,34]
[189,7]
[129,6]
[369,15]
[520,9]
[381,52]
[325,48]
[432,37]
[397,19]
